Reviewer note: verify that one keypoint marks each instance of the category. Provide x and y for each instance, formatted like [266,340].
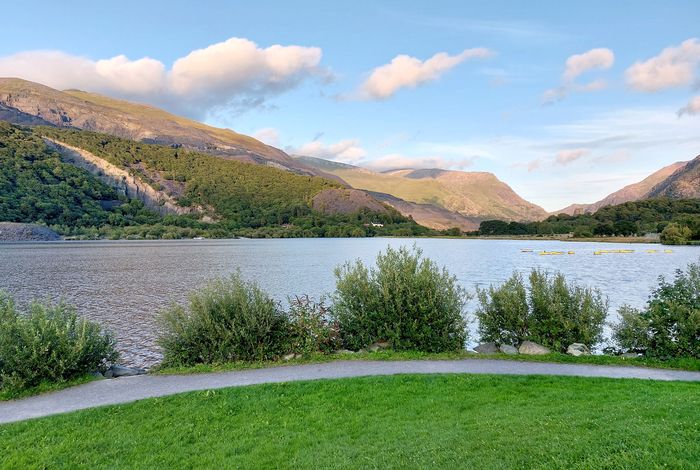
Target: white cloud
[673,67]
[346,151]
[397,161]
[693,107]
[268,135]
[564,157]
[409,72]
[233,72]
[576,65]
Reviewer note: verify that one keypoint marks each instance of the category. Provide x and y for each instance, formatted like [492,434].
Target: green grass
[44,387]
[673,363]
[437,421]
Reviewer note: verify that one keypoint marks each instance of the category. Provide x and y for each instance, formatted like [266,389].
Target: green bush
[228,320]
[669,326]
[551,312]
[49,343]
[406,300]
[312,328]
[675,234]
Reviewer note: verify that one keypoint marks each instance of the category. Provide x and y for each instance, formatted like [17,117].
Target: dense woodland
[630,218]
[246,199]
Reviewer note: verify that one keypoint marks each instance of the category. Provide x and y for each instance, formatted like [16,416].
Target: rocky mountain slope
[684,183]
[632,192]
[27,103]
[438,198]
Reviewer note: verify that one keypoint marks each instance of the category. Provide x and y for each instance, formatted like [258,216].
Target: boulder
[532,349]
[486,348]
[288,357]
[630,355]
[121,371]
[508,349]
[578,349]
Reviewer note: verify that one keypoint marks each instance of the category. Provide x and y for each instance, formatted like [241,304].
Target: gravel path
[128,389]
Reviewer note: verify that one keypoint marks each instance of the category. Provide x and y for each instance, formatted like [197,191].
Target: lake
[123,284]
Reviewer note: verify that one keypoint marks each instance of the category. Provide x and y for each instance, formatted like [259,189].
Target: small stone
[288,357]
[486,348]
[630,355]
[344,351]
[532,349]
[578,349]
[121,371]
[508,349]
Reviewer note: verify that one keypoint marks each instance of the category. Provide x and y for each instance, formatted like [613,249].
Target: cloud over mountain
[235,72]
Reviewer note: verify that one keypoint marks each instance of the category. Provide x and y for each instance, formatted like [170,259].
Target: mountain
[684,183]
[22,101]
[632,192]
[437,198]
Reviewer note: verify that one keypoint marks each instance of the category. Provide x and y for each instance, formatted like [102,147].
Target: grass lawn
[443,421]
[691,364]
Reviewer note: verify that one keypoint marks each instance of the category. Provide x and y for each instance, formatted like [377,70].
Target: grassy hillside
[471,194]
[244,199]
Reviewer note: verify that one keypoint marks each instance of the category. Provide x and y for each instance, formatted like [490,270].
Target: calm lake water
[123,284]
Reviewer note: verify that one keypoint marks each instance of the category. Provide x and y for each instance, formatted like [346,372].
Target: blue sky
[456,84]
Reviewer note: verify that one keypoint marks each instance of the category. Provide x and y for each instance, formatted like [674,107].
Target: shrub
[669,326]
[674,234]
[50,343]
[228,320]
[311,327]
[406,300]
[551,312]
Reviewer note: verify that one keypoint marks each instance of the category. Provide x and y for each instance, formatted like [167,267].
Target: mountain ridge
[134,121]
[631,192]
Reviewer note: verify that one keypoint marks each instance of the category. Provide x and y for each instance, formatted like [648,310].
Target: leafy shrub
[675,234]
[407,300]
[669,326]
[49,342]
[311,327]
[551,312]
[228,320]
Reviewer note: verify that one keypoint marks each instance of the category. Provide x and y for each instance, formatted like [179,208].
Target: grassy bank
[443,421]
[673,363]
[44,387]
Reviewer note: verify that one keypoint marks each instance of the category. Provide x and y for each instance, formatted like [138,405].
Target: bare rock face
[16,232]
[684,183]
[345,201]
[533,349]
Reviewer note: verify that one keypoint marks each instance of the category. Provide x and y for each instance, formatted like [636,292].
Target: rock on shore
[16,232]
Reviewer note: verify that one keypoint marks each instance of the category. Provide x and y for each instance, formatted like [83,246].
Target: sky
[564,101]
